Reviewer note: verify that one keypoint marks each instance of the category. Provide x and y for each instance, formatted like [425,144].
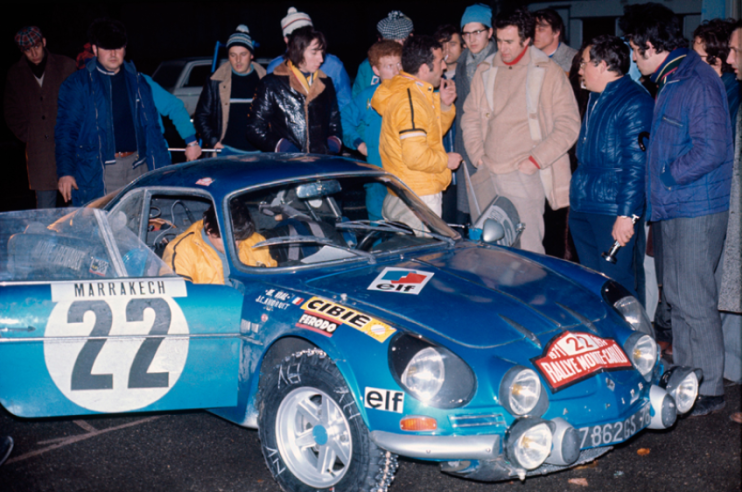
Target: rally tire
[290,392]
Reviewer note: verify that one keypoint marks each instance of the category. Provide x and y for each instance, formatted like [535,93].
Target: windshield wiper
[277,241]
[385,226]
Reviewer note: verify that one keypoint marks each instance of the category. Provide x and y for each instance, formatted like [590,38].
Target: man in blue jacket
[689,173]
[362,124]
[107,131]
[607,189]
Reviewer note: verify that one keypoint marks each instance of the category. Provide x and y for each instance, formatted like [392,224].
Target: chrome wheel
[314,437]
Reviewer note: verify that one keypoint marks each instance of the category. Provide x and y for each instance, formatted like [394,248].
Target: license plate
[614,432]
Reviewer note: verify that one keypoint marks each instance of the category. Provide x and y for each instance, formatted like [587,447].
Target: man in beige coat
[519,121]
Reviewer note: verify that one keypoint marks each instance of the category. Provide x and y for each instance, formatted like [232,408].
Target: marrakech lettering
[573,357]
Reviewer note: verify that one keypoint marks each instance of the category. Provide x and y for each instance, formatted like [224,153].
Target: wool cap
[241,37]
[478,12]
[396,25]
[294,20]
[28,36]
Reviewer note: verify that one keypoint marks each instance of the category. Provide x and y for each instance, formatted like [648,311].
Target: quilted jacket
[609,179]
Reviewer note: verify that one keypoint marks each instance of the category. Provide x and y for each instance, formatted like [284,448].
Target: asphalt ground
[196,451]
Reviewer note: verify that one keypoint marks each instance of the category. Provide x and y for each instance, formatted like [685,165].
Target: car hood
[475,296]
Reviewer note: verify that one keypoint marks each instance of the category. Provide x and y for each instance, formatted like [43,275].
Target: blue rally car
[360,342]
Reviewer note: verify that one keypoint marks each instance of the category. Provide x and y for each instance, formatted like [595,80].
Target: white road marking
[66,441]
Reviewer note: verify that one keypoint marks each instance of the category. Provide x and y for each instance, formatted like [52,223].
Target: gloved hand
[284,145]
[334,145]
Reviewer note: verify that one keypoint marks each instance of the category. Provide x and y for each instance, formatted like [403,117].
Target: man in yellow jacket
[198,254]
[414,119]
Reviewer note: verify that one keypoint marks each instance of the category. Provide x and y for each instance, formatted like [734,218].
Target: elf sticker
[573,357]
[327,310]
[401,281]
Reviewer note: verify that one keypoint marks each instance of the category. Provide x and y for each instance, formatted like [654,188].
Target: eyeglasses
[583,63]
[476,33]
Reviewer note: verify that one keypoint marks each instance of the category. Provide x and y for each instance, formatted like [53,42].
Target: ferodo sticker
[329,311]
[116,346]
[382,399]
[572,357]
[401,280]
[319,324]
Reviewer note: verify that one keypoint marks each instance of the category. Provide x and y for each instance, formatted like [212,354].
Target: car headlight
[628,307]
[529,442]
[430,373]
[521,392]
[682,384]
[642,351]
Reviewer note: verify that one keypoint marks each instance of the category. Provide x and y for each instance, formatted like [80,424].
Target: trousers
[692,249]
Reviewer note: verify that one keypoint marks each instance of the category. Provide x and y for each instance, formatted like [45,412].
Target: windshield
[72,244]
[167,74]
[321,220]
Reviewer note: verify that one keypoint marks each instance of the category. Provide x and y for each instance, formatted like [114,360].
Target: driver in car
[198,254]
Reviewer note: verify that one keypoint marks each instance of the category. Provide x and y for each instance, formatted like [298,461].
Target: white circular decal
[125,361]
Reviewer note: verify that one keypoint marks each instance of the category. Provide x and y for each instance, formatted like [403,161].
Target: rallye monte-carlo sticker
[321,311]
[116,346]
[571,357]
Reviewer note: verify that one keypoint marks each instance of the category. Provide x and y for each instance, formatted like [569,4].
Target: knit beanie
[241,37]
[28,36]
[396,25]
[294,20]
[478,12]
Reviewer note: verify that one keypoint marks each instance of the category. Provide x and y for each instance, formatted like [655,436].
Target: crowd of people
[627,132]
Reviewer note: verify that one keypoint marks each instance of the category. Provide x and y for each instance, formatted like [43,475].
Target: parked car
[367,341]
[185,77]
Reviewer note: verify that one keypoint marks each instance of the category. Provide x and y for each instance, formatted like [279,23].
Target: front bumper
[481,447]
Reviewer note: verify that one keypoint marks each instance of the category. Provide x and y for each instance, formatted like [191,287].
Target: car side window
[198,76]
[131,207]
[171,215]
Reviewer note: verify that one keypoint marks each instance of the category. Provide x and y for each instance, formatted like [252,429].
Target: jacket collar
[92,66]
[315,90]
[616,85]
[683,70]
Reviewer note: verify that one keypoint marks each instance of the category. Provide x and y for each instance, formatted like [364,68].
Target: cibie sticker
[327,310]
[116,354]
[401,280]
[382,399]
[572,357]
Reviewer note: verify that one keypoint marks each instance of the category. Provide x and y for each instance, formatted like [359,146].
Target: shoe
[707,404]
[6,446]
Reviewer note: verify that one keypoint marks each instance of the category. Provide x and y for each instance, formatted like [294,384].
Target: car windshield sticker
[377,330]
[98,267]
[321,325]
[401,280]
[112,289]
[139,349]
[572,357]
[204,181]
[382,399]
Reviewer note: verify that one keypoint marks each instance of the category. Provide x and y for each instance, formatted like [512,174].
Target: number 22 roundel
[122,353]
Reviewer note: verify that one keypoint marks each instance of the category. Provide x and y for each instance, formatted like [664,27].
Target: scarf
[473,61]
[305,81]
[38,70]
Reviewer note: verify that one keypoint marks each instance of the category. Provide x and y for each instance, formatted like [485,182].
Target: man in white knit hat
[332,66]
[225,101]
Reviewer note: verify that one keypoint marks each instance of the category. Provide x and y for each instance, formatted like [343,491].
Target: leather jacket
[609,179]
[212,110]
[282,110]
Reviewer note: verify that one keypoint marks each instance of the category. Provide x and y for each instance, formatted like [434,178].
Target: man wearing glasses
[476,32]
[30,103]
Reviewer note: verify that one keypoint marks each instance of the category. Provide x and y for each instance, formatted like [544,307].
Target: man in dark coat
[31,92]
[689,176]
[108,131]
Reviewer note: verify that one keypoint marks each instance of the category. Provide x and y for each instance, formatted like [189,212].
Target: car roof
[221,175]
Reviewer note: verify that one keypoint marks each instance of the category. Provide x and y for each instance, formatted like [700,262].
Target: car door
[93,322]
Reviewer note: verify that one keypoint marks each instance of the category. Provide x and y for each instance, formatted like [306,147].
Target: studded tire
[311,432]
